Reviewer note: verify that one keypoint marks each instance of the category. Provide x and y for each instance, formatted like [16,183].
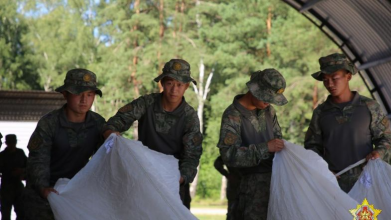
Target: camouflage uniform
[373,123]
[253,158]
[174,133]
[233,182]
[59,148]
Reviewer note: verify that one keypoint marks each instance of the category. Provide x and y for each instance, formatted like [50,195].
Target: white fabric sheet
[374,184]
[124,180]
[302,187]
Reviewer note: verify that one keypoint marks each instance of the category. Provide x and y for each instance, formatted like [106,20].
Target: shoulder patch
[35,142]
[385,122]
[230,139]
[126,108]
[197,139]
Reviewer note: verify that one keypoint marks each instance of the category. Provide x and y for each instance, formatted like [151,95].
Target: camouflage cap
[332,63]
[177,69]
[268,86]
[78,81]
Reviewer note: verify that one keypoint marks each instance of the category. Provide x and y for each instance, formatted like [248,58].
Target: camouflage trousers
[35,207]
[253,198]
[348,179]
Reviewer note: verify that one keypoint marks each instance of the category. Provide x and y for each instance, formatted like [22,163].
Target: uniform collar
[67,124]
[158,106]
[330,104]
[245,112]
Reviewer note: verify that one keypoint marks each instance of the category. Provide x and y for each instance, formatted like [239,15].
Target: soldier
[346,127]
[167,124]
[233,178]
[249,136]
[63,142]
[12,166]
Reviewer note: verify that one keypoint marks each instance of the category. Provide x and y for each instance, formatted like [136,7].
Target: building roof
[362,29]
[28,105]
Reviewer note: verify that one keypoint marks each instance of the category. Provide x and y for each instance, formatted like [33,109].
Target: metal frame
[376,92]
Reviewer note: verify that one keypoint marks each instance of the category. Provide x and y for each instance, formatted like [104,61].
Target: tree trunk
[200,110]
[269,29]
[161,36]
[223,190]
[202,93]
[133,69]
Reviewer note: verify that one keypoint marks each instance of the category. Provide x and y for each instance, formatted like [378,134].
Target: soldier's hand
[275,145]
[373,155]
[17,172]
[181,180]
[107,133]
[44,192]
[338,177]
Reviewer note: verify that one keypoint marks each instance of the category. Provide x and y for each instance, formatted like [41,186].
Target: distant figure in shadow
[12,166]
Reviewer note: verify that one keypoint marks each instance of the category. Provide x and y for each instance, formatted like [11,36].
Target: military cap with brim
[268,86]
[78,81]
[332,63]
[177,69]
[10,138]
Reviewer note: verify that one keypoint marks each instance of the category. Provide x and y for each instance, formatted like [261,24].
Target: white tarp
[123,180]
[374,184]
[303,188]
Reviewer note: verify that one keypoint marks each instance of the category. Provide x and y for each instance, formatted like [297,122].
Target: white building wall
[22,130]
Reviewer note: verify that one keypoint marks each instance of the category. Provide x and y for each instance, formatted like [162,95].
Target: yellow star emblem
[177,66]
[87,77]
[365,211]
[280,91]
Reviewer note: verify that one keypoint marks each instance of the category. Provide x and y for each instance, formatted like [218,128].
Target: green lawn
[211,217]
[209,204]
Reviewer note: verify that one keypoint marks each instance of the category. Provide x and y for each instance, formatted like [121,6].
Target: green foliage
[56,50]
[16,71]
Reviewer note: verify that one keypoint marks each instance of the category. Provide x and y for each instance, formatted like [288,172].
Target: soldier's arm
[313,137]
[233,152]
[192,149]
[125,116]
[380,130]
[38,162]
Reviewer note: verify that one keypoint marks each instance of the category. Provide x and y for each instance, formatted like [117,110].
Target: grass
[209,204]
[211,217]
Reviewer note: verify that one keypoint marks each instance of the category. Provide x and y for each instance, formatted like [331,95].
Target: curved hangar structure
[362,29]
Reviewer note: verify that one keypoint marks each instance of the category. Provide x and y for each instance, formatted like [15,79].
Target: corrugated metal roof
[28,105]
[362,29]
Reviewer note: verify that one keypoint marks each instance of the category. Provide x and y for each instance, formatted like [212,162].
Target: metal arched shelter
[362,29]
